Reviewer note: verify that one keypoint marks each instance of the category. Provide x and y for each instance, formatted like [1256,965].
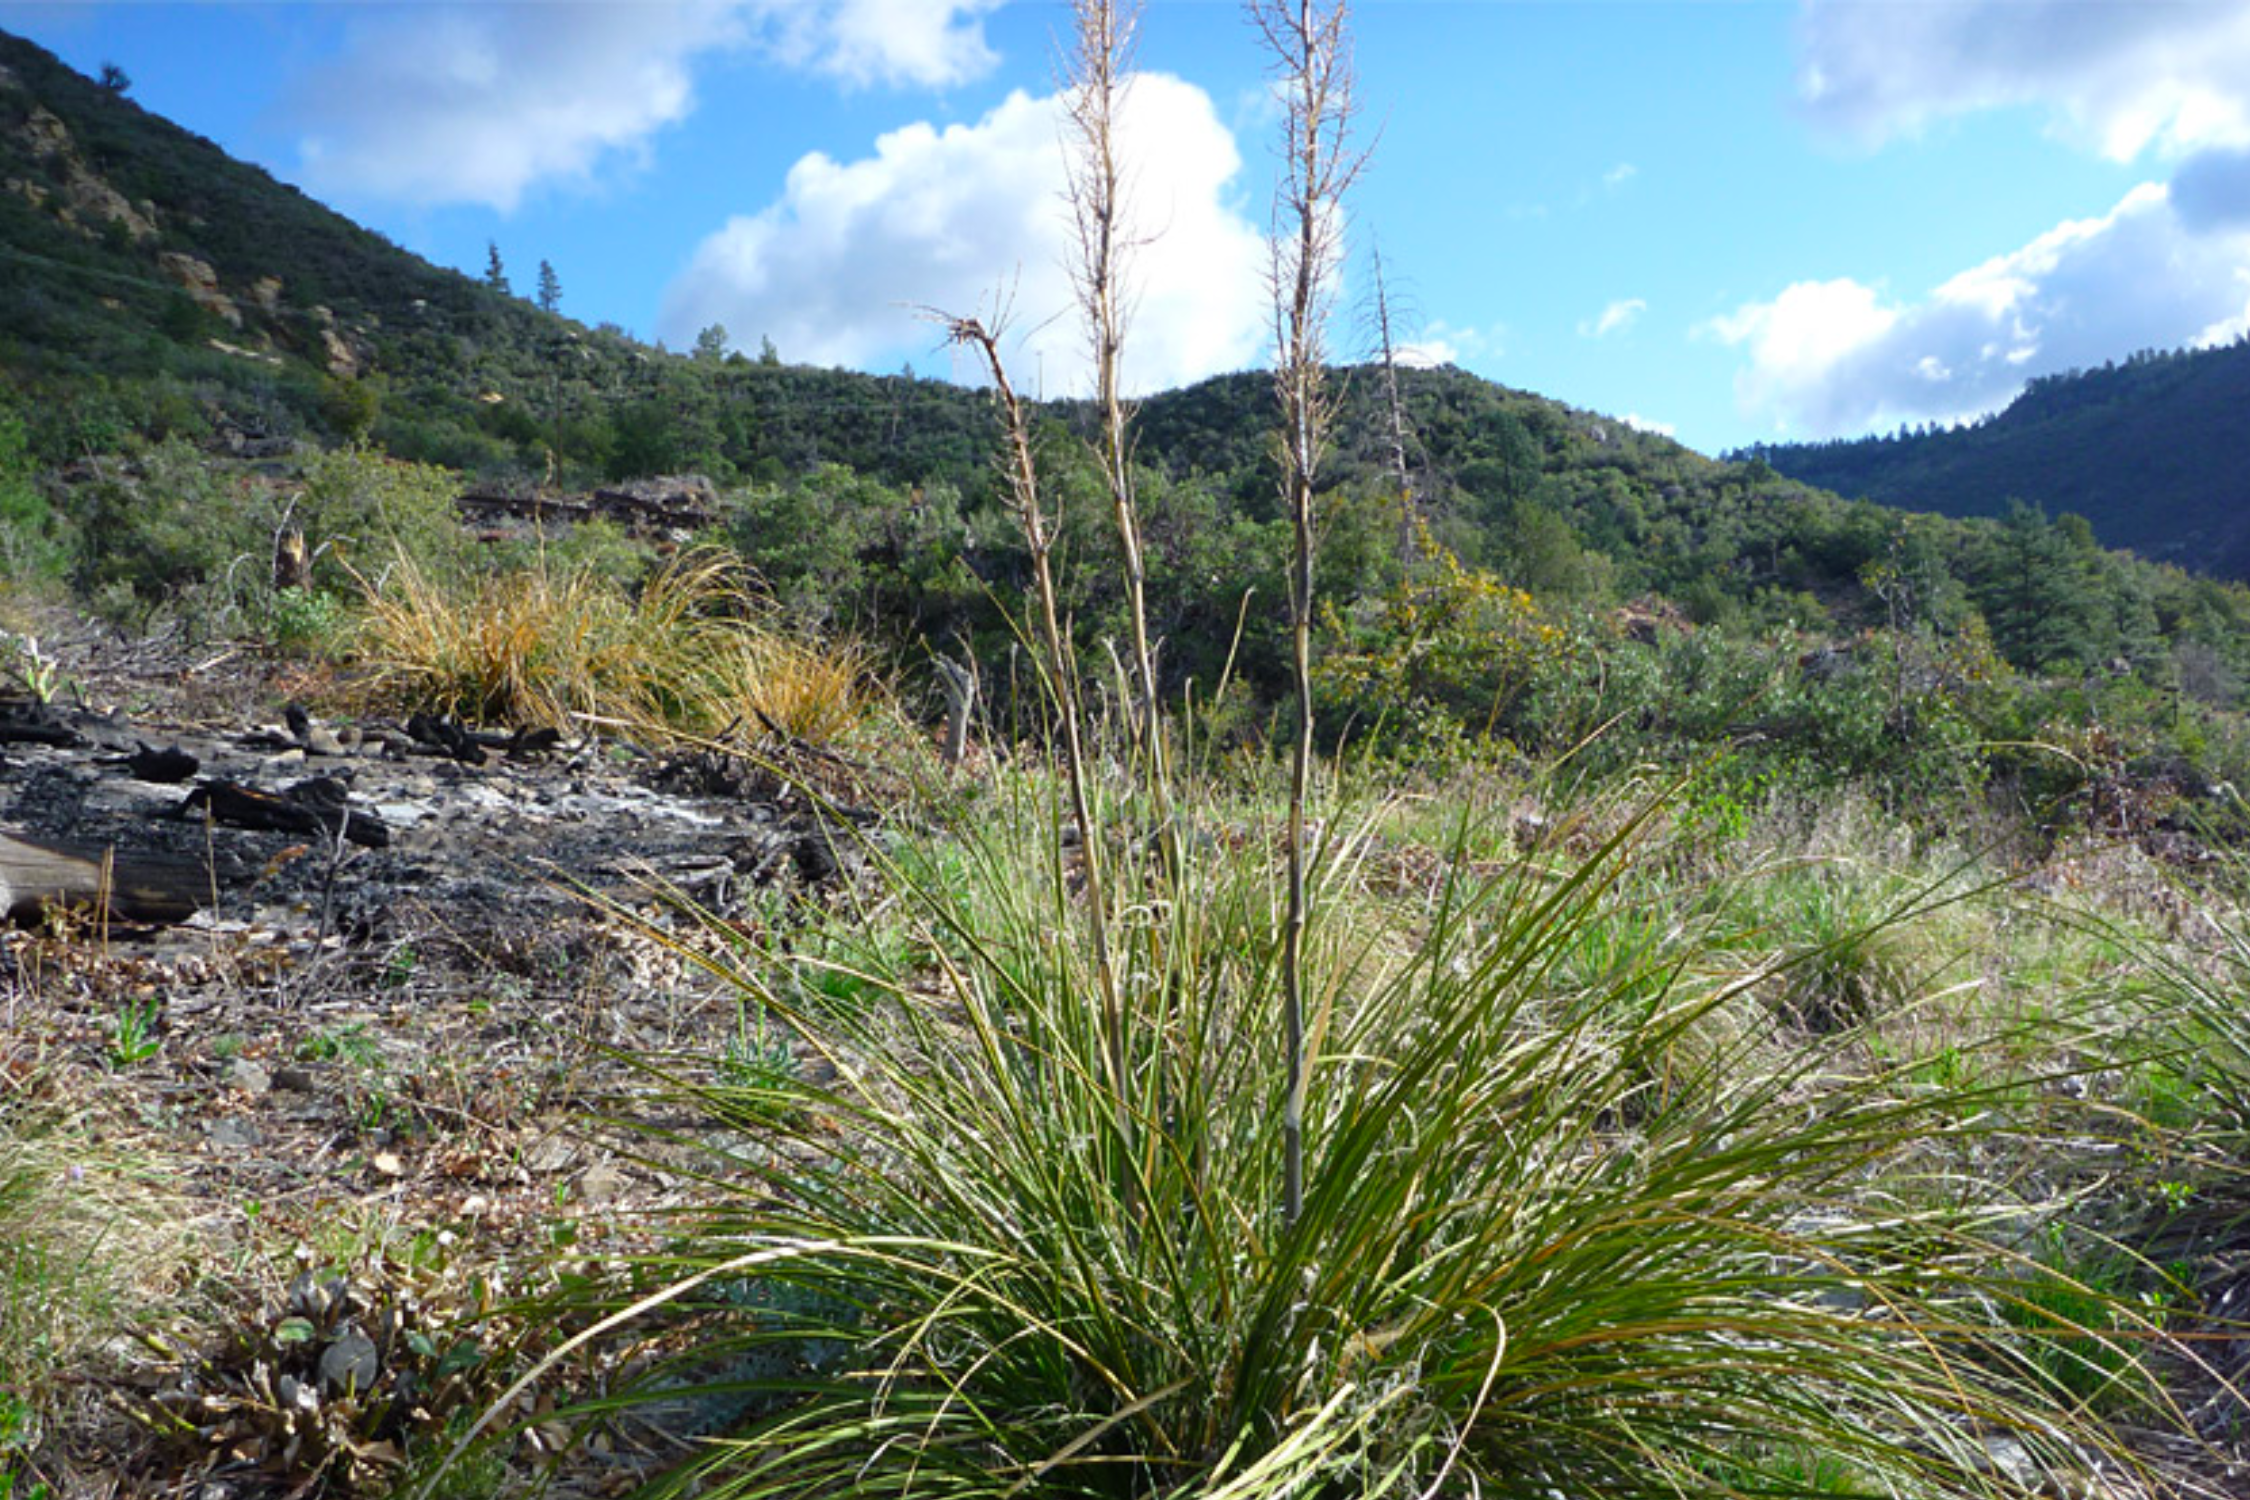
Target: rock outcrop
[79,196]
[201,283]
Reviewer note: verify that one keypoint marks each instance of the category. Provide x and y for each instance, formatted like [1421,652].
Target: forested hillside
[183,339]
[2148,451]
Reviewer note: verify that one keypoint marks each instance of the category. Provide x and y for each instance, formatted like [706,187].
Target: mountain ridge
[2145,450]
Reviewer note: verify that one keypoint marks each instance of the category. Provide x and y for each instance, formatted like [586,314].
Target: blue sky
[1731,221]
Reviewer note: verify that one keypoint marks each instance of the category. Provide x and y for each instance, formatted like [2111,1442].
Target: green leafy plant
[33,669]
[350,1043]
[134,1036]
[305,619]
[9,1481]
[759,1067]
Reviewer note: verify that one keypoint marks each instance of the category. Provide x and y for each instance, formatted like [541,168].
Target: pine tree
[550,289]
[495,276]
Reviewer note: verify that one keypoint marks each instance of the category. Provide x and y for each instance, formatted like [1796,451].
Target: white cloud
[1427,354]
[930,42]
[1798,341]
[1616,318]
[1836,357]
[1617,176]
[2121,77]
[2211,190]
[1441,343]
[1640,423]
[461,103]
[834,271]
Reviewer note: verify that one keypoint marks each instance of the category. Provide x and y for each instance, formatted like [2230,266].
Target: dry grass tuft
[694,651]
[89,1240]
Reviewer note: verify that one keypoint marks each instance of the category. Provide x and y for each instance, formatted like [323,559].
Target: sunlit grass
[89,1239]
[693,651]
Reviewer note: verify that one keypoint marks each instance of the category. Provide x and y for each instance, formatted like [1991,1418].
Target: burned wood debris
[309,829]
[672,503]
[316,806]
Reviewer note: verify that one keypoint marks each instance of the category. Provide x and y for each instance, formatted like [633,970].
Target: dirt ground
[372,1080]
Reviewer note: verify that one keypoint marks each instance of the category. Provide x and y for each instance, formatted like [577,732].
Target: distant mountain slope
[154,283]
[120,225]
[2150,452]
[151,288]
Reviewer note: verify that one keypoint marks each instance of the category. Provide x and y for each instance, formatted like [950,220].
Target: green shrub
[161,527]
[361,510]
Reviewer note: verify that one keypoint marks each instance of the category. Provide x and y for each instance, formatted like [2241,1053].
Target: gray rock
[602,1183]
[248,1077]
[231,1134]
[551,1155]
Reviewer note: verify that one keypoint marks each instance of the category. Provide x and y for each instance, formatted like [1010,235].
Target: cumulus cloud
[834,270]
[1442,343]
[1640,423]
[1830,357]
[2123,77]
[466,103]
[930,42]
[1615,318]
[2211,190]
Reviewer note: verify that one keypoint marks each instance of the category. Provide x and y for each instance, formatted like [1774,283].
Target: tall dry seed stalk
[1310,44]
[1098,78]
[1022,472]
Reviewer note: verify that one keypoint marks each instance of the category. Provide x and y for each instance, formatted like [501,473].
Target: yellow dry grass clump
[692,652]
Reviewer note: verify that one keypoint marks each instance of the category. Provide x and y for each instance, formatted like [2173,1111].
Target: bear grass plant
[1187,1164]
[962,1258]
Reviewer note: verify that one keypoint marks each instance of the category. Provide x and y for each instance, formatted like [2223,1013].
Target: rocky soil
[369,1068]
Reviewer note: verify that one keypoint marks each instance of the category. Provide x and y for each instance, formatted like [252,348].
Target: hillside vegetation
[200,332]
[1744,1000]
[2144,450]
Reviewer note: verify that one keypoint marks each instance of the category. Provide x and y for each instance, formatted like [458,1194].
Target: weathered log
[168,766]
[673,502]
[39,875]
[316,807]
[26,722]
[534,507]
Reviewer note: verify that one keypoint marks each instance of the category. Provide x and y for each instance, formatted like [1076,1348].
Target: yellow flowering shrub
[1440,654]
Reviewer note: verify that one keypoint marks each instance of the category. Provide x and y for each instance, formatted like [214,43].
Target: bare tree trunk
[960,706]
[1407,515]
[1312,61]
